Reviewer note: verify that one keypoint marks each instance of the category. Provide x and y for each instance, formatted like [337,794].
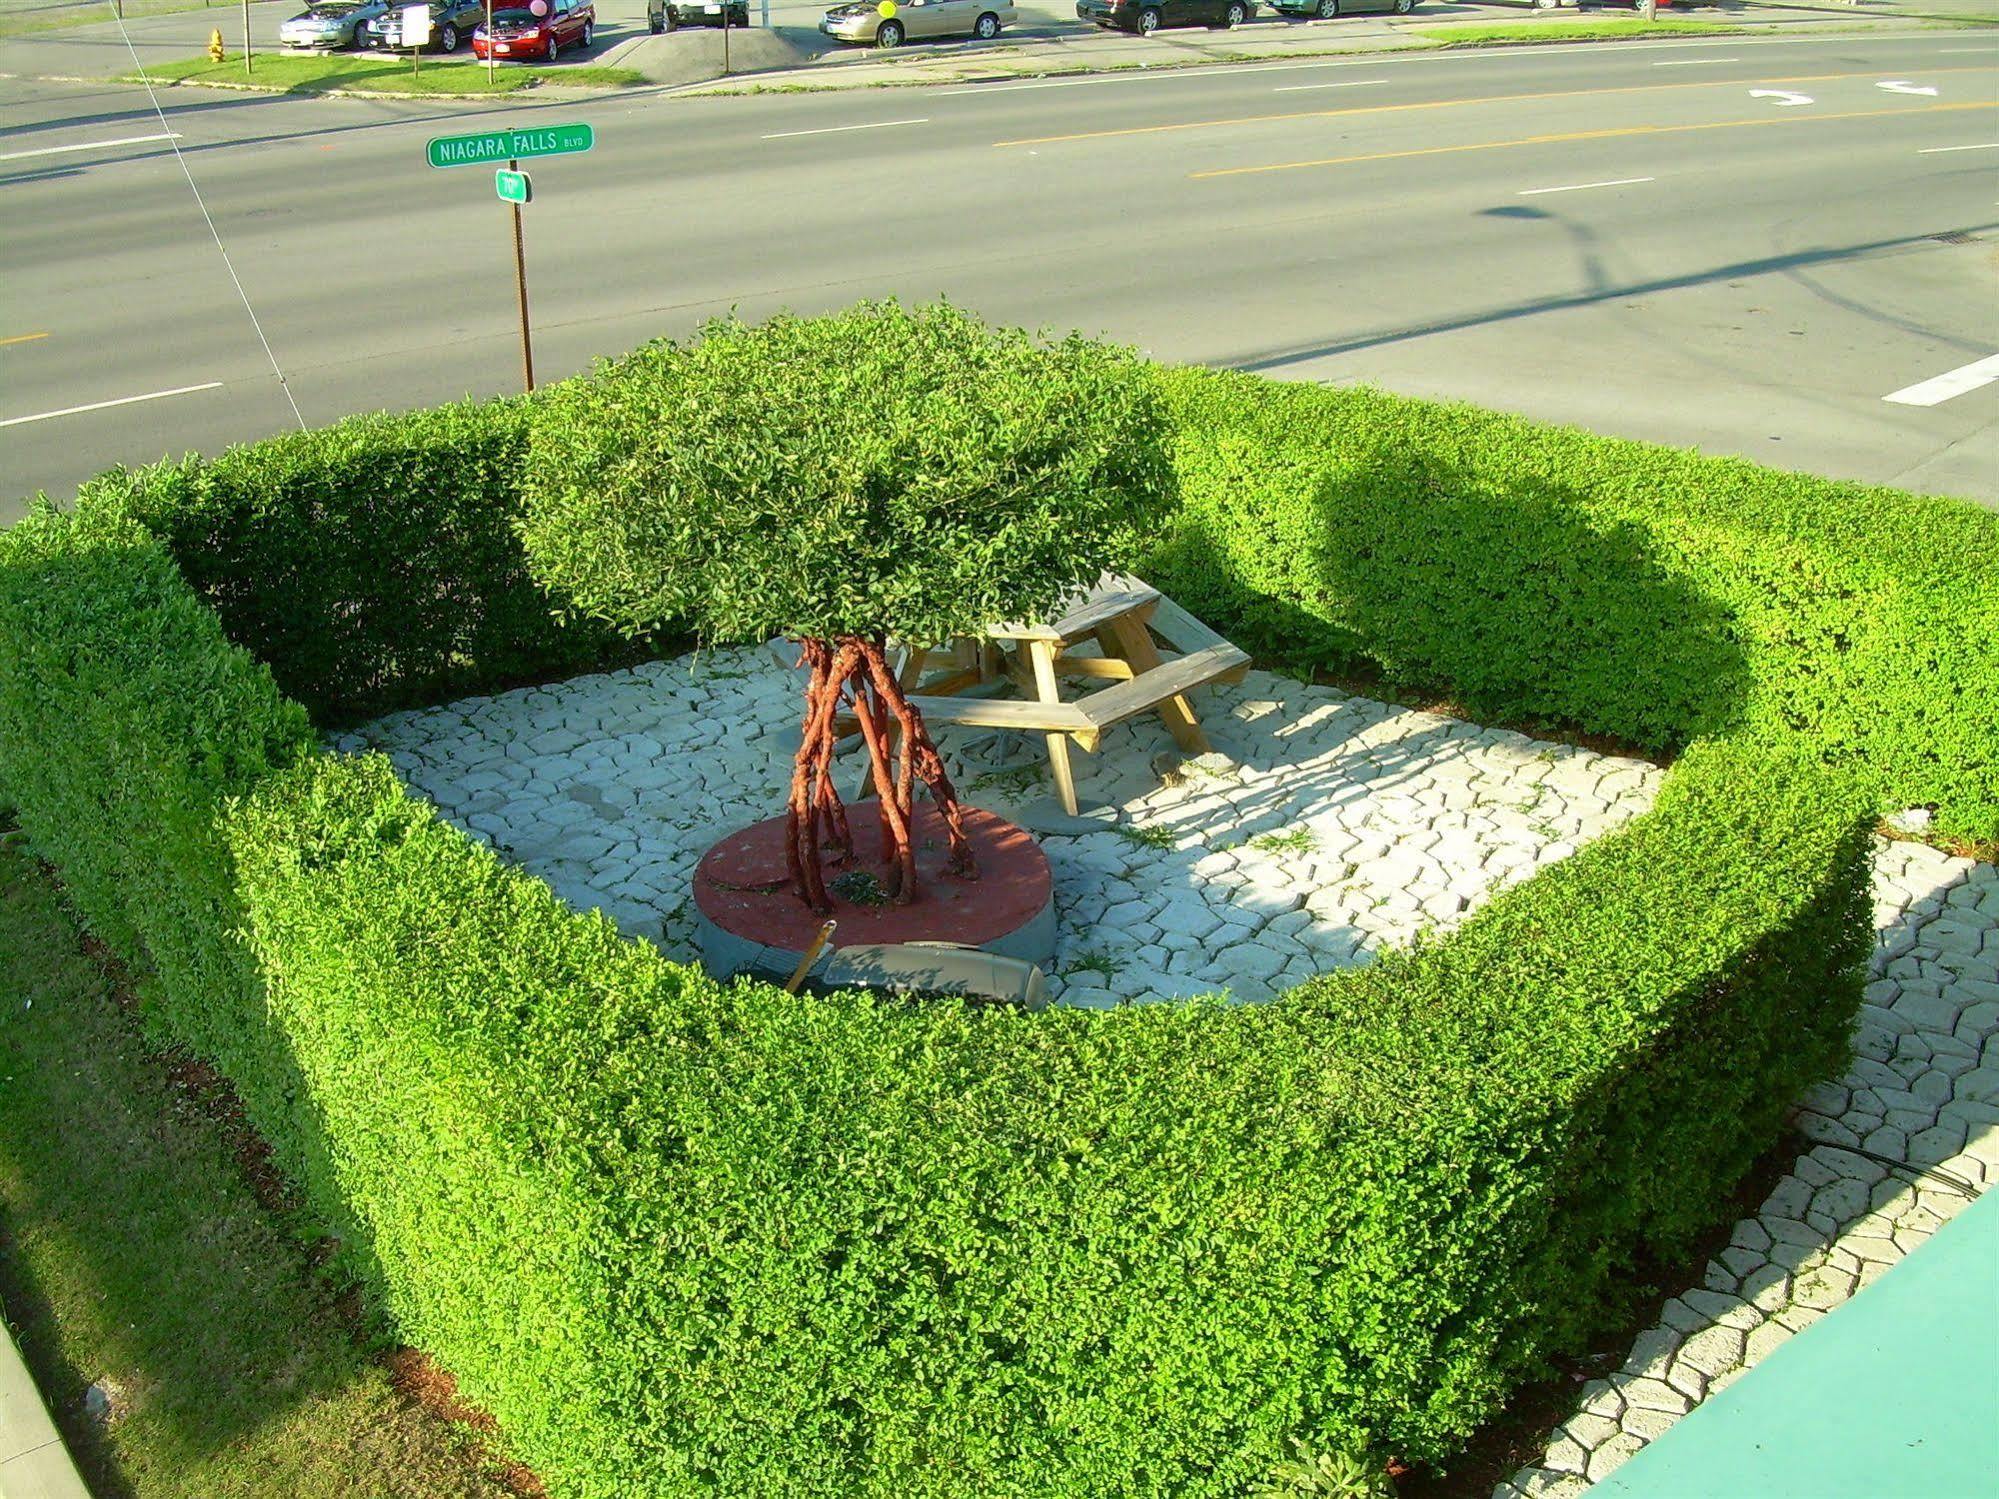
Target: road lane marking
[1694,62]
[1315,114]
[1784,97]
[1299,88]
[1903,86]
[152,395]
[123,140]
[1940,388]
[1939,150]
[21,338]
[836,129]
[1584,135]
[1535,192]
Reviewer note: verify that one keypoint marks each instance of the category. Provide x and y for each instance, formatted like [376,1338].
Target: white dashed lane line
[1576,187]
[837,129]
[154,395]
[123,140]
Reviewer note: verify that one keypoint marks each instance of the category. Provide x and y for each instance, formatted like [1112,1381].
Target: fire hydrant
[215,45]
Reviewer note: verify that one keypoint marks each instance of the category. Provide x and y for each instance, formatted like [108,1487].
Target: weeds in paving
[1292,841]
[1090,960]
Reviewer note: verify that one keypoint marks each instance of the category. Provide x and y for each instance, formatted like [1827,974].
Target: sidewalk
[34,1464]
[1894,1396]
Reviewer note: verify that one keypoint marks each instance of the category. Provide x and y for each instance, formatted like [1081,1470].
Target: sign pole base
[521,286]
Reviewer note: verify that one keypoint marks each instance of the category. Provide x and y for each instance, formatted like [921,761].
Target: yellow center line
[21,338]
[1589,135]
[1377,109]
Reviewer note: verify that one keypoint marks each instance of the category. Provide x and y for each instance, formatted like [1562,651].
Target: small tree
[882,473]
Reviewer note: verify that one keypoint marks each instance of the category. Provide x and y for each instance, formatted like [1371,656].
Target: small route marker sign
[513,187]
[492,146]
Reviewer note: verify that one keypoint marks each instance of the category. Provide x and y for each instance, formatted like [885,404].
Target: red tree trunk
[855,670]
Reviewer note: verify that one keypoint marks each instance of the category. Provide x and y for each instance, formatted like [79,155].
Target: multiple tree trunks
[900,752]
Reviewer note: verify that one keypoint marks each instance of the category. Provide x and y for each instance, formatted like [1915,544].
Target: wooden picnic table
[1151,651]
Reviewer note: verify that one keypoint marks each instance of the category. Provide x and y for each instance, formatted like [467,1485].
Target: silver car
[889,23]
[331,23]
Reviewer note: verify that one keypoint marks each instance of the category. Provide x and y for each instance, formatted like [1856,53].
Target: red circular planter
[750,918]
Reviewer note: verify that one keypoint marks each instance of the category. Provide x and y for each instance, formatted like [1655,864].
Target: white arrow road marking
[1784,97]
[1940,388]
[1903,86]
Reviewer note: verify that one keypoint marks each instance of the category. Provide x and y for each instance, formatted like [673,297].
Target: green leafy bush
[880,472]
[687,1238]
[372,563]
[125,720]
[684,1237]
[1539,573]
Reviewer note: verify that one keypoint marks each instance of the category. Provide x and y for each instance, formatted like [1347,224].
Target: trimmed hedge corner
[1546,574]
[684,1237]
[373,564]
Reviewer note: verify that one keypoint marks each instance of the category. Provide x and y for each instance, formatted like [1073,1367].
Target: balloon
[538,7]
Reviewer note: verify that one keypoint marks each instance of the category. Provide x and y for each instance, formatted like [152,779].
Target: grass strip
[365,73]
[132,1251]
[1528,33]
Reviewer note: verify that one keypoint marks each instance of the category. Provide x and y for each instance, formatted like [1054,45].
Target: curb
[34,1464]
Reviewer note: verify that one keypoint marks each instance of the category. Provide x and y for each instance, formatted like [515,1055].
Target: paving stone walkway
[1922,1093]
[1330,826]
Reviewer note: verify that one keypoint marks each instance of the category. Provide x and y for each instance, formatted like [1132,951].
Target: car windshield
[329,12]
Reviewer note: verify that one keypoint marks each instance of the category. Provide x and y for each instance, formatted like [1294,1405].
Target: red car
[541,28]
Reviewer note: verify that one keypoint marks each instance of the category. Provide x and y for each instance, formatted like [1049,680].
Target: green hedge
[125,720]
[373,563]
[682,1237]
[1538,573]
[685,1238]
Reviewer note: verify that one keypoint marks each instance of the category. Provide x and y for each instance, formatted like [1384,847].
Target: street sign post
[491,147]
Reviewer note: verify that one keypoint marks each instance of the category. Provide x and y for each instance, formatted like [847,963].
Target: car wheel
[890,34]
[1234,16]
[448,39]
[656,25]
[554,49]
[1148,21]
[986,27]
[1329,10]
[589,34]
[1403,7]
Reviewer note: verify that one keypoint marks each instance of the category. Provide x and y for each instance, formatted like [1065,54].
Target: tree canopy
[882,471]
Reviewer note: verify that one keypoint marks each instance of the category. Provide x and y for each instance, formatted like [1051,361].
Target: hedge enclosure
[688,1237]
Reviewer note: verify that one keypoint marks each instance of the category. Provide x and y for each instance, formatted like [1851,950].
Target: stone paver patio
[1329,826]
[1339,824]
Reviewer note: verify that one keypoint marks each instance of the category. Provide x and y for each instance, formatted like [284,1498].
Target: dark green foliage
[373,563]
[879,472]
[1539,573]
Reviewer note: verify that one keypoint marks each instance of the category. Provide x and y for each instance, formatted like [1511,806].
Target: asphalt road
[1653,240]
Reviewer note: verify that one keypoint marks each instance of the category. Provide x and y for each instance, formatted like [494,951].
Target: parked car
[519,32]
[668,15]
[1325,10]
[1147,16]
[918,20]
[451,21]
[331,23]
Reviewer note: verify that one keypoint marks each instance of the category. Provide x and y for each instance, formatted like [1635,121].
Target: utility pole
[248,65]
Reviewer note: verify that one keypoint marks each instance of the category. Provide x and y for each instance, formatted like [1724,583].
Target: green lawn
[371,73]
[132,1249]
[1504,33]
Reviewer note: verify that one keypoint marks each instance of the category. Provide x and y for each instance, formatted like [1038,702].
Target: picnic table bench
[1151,650]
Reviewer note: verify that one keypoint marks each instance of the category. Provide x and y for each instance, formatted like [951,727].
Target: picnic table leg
[1135,644]
[1041,653]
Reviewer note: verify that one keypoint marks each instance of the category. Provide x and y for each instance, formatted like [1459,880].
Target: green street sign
[490,146]
[513,187]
